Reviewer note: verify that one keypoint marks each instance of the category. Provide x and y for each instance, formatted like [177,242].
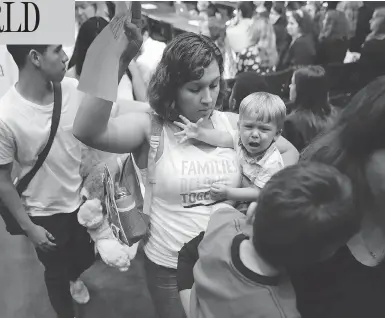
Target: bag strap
[156,132]
[24,182]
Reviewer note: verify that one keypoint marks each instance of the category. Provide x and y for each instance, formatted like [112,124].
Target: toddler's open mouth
[254,144]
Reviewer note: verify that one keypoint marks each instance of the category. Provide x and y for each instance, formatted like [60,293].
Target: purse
[11,225]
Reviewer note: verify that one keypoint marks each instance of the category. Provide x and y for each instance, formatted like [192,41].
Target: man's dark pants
[74,253]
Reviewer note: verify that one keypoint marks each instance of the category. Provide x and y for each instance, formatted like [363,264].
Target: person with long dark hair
[351,282]
[302,50]
[372,58]
[312,111]
[333,38]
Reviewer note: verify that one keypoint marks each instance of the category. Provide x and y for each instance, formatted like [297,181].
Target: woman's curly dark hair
[184,60]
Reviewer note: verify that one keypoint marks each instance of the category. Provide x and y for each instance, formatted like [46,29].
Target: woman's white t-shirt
[181,204]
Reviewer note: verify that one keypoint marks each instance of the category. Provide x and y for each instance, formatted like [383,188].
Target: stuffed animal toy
[91,215]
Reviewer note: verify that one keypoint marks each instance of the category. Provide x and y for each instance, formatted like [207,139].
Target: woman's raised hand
[189,129]
[132,30]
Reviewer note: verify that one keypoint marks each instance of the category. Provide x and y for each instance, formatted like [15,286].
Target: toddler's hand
[190,130]
[219,191]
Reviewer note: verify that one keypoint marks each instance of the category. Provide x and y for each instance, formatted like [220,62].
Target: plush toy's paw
[113,253]
[132,250]
[90,214]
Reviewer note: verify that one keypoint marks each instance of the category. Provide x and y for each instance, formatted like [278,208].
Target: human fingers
[49,236]
[185,120]
[180,133]
[184,139]
[199,121]
[180,125]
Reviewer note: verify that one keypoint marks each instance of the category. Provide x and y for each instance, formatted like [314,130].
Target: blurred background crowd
[262,37]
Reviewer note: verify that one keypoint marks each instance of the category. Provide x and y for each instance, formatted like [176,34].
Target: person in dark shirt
[333,39]
[312,111]
[302,50]
[351,283]
[372,60]
[304,214]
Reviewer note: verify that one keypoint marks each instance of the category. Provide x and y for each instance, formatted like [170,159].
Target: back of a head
[304,214]
[21,52]
[312,90]
[246,84]
[247,9]
[88,31]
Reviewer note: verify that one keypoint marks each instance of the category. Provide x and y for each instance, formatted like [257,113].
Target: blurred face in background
[377,22]
[292,26]
[85,10]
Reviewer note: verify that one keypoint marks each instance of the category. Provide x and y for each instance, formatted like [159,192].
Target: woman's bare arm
[289,153]
[124,106]
[92,124]
[123,134]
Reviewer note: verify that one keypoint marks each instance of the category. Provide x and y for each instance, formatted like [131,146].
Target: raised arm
[93,125]
[122,134]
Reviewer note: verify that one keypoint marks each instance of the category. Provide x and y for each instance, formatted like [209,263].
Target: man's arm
[11,198]
[8,194]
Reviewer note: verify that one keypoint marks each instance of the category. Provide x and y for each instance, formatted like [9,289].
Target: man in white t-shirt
[47,209]
[8,70]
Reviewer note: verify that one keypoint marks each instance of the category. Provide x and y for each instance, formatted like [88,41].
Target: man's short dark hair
[20,52]
[304,212]
[247,9]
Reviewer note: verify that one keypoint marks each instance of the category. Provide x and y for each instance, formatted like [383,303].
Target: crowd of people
[263,211]
[266,36]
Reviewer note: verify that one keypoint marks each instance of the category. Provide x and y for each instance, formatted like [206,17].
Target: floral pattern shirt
[249,60]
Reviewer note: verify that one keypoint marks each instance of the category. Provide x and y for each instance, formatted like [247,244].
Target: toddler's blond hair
[265,107]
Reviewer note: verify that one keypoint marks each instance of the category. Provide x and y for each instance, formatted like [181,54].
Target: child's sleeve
[188,256]
[271,166]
